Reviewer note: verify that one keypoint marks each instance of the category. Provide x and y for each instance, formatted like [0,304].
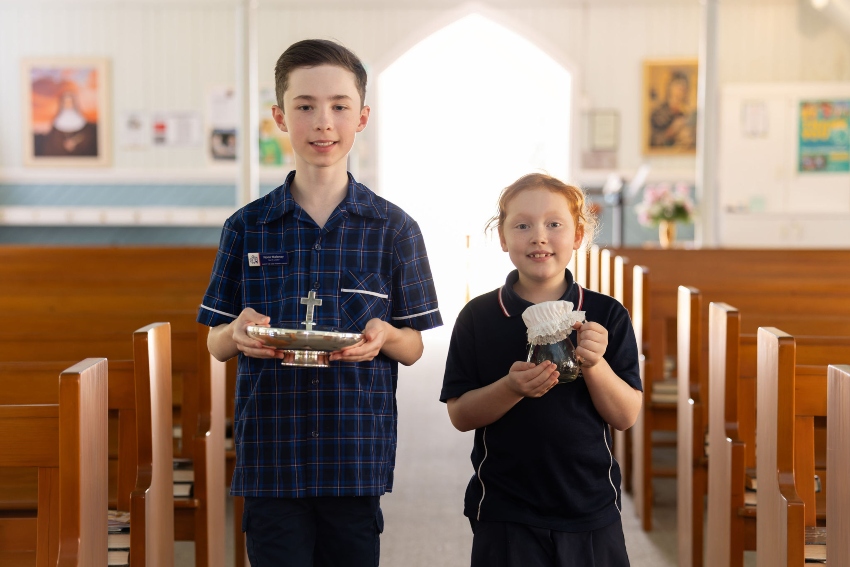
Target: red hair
[582,216]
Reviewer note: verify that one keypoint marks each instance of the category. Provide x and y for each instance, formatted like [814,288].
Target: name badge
[267,258]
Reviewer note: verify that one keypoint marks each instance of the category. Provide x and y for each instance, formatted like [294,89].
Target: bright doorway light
[460,116]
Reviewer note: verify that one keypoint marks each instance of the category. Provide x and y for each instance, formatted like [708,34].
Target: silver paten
[310,346]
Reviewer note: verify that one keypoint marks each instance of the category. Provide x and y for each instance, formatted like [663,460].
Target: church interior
[711,138]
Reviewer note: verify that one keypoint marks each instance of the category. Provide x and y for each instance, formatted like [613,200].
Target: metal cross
[311,302]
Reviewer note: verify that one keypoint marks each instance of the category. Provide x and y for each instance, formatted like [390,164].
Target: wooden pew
[732,422]
[691,456]
[580,266]
[732,427]
[691,406]
[199,518]
[593,268]
[58,286]
[729,531]
[792,393]
[67,444]
[658,412]
[838,464]
[757,279]
[152,498]
[606,272]
[140,394]
[622,292]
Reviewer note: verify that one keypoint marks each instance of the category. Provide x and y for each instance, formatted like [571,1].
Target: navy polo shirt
[302,432]
[547,462]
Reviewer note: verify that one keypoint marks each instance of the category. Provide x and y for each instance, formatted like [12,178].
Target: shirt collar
[358,201]
[513,305]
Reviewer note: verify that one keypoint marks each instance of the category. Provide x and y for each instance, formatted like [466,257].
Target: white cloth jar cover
[551,321]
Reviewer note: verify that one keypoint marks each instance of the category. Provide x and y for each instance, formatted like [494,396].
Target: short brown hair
[582,216]
[312,53]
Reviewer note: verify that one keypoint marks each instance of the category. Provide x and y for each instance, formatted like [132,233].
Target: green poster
[824,136]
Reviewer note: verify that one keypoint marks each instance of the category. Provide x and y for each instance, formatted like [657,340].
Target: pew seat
[66,443]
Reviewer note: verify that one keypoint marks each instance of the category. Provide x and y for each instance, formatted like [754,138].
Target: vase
[667,233]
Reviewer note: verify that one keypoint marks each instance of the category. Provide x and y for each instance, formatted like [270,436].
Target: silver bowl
[307,348]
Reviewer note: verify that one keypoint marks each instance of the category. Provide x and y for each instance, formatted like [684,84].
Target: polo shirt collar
[358,201]
[513,305]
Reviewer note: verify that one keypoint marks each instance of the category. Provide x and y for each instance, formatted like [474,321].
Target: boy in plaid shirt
[315,447]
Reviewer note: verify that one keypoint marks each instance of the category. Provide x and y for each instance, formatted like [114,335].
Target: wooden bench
[659,409]
[838,463]
[623,442]
[199,517]
[731,526]
[759,279]
[139,395]
[594,268]
[792,393]
[66,442]
[606,272]
[692,410]
[691,406]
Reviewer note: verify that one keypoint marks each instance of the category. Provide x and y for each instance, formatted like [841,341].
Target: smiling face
[539,234]
[322,113]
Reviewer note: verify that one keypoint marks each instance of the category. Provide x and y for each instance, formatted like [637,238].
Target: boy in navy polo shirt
[315,447]
[545,489]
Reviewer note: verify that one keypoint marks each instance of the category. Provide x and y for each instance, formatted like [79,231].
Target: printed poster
[824,136]
[275,147]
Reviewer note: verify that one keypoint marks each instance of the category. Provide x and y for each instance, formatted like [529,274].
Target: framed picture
[670,107]
[66,112]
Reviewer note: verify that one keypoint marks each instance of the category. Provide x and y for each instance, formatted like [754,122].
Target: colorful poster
[824,136]
[275,147]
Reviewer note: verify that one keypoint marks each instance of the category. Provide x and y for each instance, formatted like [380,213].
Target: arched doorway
[460,116]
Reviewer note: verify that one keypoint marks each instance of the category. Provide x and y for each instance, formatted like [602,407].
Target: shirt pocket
[363,296]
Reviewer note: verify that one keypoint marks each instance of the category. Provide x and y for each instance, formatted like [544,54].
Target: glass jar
[562,353]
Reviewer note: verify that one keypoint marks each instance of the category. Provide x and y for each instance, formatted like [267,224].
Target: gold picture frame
[670,107]
[66,118]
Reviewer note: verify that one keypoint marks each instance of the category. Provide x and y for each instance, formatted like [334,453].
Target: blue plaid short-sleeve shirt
[302,432]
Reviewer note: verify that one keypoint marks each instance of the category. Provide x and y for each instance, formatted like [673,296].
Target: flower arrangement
[665,202]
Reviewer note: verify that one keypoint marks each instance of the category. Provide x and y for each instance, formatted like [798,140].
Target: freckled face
[322,113]
[539,234]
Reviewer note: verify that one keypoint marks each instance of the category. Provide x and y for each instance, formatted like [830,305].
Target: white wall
[765,200]
[164,55]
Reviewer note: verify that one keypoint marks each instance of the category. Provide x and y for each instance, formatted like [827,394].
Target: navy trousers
[507,544]
[313,532]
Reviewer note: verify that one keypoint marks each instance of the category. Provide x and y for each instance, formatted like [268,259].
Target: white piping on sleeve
[478,473]
[416,315]
[610,467]
[219,312]
[365,292]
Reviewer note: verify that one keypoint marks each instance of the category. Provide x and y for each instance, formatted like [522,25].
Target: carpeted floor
[425,526]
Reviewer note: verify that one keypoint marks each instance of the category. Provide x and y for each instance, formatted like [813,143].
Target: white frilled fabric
[551,321]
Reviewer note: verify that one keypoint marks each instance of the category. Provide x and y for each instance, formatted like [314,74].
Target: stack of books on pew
[665,391]
[184,478]
[118,539]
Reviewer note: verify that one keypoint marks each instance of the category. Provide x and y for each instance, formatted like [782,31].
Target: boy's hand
[247,345]
[532,380]
[374,337]
[591,342]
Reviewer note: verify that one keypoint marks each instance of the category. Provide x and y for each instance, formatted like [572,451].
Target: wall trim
[115,216]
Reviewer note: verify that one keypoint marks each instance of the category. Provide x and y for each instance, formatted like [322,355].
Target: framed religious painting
[670,107]
[66,112]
